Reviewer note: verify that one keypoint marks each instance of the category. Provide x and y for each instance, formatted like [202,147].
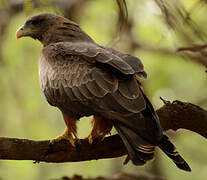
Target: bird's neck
[64,33]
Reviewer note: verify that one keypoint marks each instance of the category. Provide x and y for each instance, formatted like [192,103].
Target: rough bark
[181,115]
[121,176]
[173,116]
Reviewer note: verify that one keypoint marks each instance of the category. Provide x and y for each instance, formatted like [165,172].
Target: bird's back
[84,79]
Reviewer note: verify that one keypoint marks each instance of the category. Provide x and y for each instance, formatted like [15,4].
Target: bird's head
[50,28]
[36,26]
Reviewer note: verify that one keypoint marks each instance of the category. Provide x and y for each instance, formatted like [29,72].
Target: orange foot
[101,127]
[67,135]
[70,132]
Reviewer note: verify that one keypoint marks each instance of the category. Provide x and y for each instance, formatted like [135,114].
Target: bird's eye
[34,22]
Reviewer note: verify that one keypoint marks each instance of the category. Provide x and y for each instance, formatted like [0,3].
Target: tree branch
[173,116]
[23,149]
[120,176]
[181,115]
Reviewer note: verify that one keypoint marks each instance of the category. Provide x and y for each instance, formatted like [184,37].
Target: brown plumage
[82,78]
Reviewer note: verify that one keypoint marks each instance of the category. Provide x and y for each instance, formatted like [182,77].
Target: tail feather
[169,149]
[139,150]
[141,139]
[163,142]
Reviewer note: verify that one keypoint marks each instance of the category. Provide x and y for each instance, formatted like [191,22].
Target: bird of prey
[83,78]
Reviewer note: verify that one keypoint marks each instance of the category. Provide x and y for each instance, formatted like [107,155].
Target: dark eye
[34,22]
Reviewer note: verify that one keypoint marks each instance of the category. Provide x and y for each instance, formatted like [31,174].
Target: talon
[95,138]
[101,127]
[77,144]
[72,141]
[90,139]
[67,136]
[57,139]
[101,138]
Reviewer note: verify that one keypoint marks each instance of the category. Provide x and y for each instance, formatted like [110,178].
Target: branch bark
[173,116]
[181,115]
[120,176]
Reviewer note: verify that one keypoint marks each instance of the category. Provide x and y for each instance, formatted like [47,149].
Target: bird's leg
[101,127]
[70,132]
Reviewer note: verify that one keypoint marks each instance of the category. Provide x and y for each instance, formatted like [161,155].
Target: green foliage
[28,6]
[3,3]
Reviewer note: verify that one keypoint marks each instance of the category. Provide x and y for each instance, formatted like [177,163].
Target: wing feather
[77,93]
[129,88]
[87,74]
[110,104]
[109,84]
[69,93]
[95,89]
[134,62]
[85,92]
[94,54]
[132,105]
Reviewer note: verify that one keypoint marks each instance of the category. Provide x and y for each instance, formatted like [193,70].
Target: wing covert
[133,61]
[95,54]
[88,75]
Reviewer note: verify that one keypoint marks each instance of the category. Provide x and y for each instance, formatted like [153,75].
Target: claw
[101,137]
[101,127]
[72,141]
[67,136]
[90,139]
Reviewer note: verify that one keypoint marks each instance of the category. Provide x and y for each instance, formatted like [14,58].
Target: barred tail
[169,149]
[139,150]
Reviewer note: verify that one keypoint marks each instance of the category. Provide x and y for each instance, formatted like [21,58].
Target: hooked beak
[22,31]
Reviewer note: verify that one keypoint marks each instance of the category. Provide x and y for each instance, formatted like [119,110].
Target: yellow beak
[20,32]
[23,31]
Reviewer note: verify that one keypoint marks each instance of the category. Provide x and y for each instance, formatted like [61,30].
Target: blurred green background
[24,113]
